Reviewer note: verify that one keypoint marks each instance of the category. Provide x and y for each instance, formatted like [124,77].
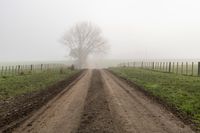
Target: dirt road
[100,102]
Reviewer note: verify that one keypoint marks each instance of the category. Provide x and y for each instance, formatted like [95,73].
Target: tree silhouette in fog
[84,39]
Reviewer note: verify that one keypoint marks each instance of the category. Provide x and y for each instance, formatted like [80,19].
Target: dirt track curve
[101,103]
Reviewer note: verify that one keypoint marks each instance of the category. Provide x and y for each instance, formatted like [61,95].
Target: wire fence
[183,68]
[29,69]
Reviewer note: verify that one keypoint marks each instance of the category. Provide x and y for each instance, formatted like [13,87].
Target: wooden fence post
[186,68]
[157,66]
[142,65]
[13,70]
[2,71]
[182,68]
[41,67]
[160,66]
[9,70]
[198,68]
[18,69]
[192,69]
[22,69]
[146,65]
[163,66]
[6,71]
[169,67]
[177,68]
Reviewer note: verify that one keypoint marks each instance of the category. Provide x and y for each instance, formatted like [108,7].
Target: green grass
[182,92]
[11,86]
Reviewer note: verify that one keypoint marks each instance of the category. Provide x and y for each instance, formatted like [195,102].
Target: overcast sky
[31,29]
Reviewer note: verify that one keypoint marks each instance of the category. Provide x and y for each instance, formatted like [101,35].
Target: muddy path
[102,103]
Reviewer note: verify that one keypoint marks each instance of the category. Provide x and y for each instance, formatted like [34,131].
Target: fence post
[142,65]
[13,70]
[169,67]
[198,68]
[160,66]
[177,68]
[19,67]
[31,68]
[192,68]
[6,70]
[182,68]
[186,68]
[153,65]
[2,71]
[145,65]
[163,66]
[156,67]
[22,69]
[41,67]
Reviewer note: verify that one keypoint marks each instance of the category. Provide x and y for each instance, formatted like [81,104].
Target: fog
[158,29]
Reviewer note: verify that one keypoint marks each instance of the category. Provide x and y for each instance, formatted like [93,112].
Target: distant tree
[82,40]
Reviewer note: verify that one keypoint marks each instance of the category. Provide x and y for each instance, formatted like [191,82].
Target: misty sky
[135,29]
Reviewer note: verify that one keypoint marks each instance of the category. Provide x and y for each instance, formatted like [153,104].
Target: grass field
[182,92]
[11,86]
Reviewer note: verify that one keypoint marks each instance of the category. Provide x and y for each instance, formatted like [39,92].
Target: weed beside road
[182,92]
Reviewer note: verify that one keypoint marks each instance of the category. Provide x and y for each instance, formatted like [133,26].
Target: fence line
[183,68]
[28,69]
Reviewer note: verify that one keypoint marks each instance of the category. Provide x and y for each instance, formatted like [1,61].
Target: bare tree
[84,39]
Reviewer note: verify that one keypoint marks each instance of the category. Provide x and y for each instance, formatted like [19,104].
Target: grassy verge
[11,86]
[182,92]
